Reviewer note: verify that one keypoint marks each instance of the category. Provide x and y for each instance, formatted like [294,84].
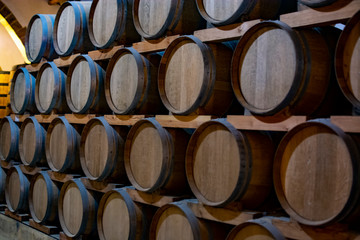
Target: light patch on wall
[14,37]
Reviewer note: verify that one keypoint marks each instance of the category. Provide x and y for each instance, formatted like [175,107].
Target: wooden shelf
[347,123]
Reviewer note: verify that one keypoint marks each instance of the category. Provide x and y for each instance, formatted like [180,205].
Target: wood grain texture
[16,190]
[72,209]
[35,38]
[28,142]
[58,152]
[40,198]
[5,139]
[46,88]
[80,85]
[66,29]
[19,90]
[221,10]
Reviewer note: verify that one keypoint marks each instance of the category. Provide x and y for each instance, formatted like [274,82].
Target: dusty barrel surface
[194,77]
[315,173]
[295,83]
[347,60]
[50,89]
[84,88]
[38,39]
[32,142]
[131,84]
[22,92]
[43,198]
[70,28]
[155,19]
[77,209]
[155,157]
[227,12]
[102,151]
[317,3]
[116,206]
[9,139]
[260,229]
[110,22]
[62,157]
[224,165]
[16,190]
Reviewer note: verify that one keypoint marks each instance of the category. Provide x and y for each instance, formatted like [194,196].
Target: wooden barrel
[77,209]
[111,23]
[38,38]
[84,88]
[62,157]
[70,28]
[32,142]
[155,157]
[194,77]
[227,12]
[224,165]
[43,198]
[155,19]
[22,92]
[279,70]
[316,173]
[16,190]
[259,229]
[50,89]
[131,84]
[116,206]
[347,60]
[101,151]
[2,185]
[9,139]
[317,3]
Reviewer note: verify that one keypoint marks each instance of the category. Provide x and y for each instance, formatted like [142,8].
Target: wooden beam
[154,45]
[182,121]
[347,123]
[123,120]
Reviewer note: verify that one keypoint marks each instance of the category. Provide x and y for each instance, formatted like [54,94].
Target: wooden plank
[19,118]
[31,170]
[44,228]
[347,123]
[154,45]
[266,123]
[61,177]
[46,118]
[99,186]
[7,165]
[17,216]
[182,121]
[104,54]
[225,33]
[79,118]
[314,17]
[123,120]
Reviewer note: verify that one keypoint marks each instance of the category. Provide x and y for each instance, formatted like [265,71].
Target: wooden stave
[168,182]
[295,101]
[317,4]
[147,99]
[80,40]
[15,134]
[88,224]
[96,101]
[137,218]
[124,31]
[244,190]
[247,11]
[39,155]
[114,168]
[53,191]
[58,102]
[176,22]
[72,162]
[351,210]
[2,185]
[340,74]
[29,101]
[24,190]
[206,101]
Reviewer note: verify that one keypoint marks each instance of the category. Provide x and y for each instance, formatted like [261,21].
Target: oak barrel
[227,12]
[50,89]
[38,38]
[102,151]
[194,77]
[9,139]
[22,92]
[32,142]
[316,171]
[131,84]
[2,185]
[116,206]
[16,190]
[347,60]
[224,165]
[155,157]
[155,19]
[259,229]
[70,28]
[64,157]
[43,198]
[111,23]
[279,70]
[77,209]
[317,3]
[84,88]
